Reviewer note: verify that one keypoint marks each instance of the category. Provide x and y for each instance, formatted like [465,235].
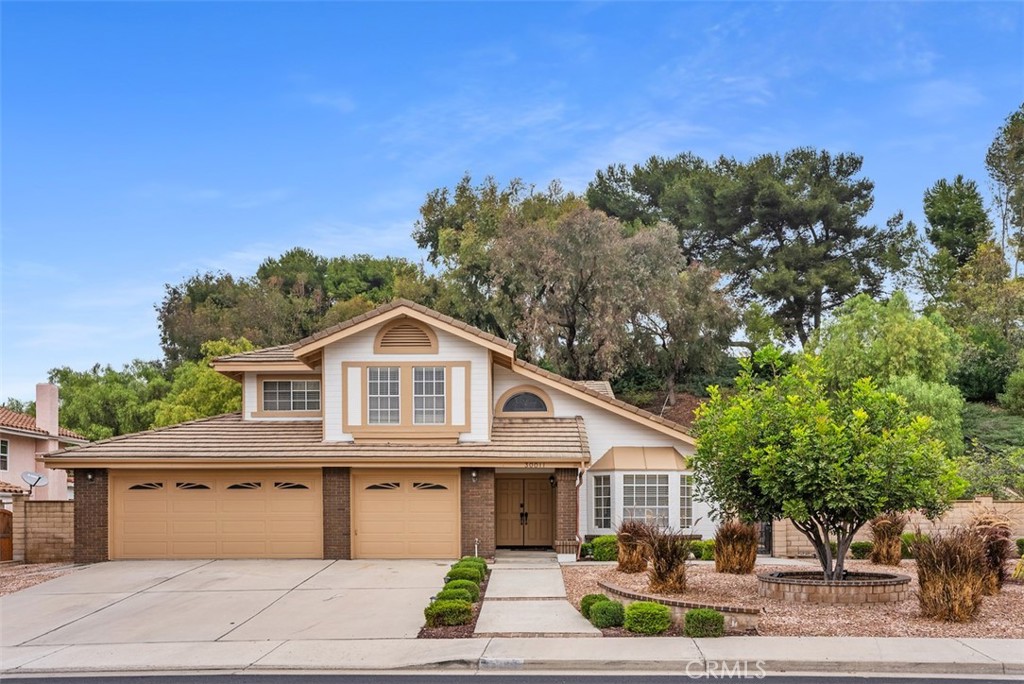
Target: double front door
[524,511]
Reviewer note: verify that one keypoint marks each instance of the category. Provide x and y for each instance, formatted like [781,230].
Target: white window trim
[698,508]
[611,500]
[291,396]
[443,396]
[5,455]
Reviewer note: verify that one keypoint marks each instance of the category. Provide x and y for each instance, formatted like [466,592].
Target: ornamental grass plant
[952,571]
[633,551]
[886,542]
[736,547]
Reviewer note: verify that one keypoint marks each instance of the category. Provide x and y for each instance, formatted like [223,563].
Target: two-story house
[24,440]
[401,433]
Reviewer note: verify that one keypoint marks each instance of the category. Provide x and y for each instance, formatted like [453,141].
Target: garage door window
[290,485]
[146,485]
[246,485]
[191,485]
[384,485]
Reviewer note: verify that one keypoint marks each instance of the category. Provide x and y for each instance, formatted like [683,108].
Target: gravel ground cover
[17,576]
[1000,615]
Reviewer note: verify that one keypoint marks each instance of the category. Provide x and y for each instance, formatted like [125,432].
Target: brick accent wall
[787,541]
[337,513]
[51,531]
[478,511]
[91,523]
[566,510]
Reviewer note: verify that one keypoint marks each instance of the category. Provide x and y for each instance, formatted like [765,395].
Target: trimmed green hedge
[441,613]
[647,617]
[704,622]
[479,567]
[472,587]
[454,595]
[607,614]
[606,548]
[465,573]
[588,601]
[861,549]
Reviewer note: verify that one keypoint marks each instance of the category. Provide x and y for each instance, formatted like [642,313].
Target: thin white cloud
[942,98]
[339,102]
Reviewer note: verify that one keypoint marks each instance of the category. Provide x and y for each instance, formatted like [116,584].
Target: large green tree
[789,446]
[787,230]
[105,402]
[685,325]
[957,220]
[198,391]
[1005,164]
[576,282]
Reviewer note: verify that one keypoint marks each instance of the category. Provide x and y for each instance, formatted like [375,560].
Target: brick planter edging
[808,587]
[738,619]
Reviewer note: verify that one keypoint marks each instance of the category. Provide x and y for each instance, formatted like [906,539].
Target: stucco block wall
[50,534]
[788,542]
[91,520]
[337,483]
[477,505]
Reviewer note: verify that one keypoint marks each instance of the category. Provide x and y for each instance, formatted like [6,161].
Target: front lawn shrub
[886,544]
[1020,547]
[1012,399]
[632,551]
[703,622]
[951,572]
[708,551]
[606,547]
[605,614]
[588,602]
[465,573]
[669,551]
[647,617]
[479,567]
[907,541]
[861,549]
[454,595]
[994,530]
[474,559]
[441,613]
[736,547]
[472,587]
[586,550]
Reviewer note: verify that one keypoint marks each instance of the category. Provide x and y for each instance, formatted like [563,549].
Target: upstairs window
[428,395]
[524,402]
[384,397]
[291,395]
[4,453]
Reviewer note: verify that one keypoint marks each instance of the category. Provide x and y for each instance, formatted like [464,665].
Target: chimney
[46,408]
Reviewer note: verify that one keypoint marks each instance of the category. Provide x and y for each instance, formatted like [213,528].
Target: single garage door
[216,514]
[405,514]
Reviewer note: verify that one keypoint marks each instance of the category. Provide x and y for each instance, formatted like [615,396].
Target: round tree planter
[857,588]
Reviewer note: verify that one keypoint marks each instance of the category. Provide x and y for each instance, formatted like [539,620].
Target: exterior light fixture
[472,475]
[552,481]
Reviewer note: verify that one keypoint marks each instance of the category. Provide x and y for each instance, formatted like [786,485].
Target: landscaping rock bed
[17,576]
[999,617]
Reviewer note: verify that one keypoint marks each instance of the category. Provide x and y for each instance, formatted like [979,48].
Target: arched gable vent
[406,337]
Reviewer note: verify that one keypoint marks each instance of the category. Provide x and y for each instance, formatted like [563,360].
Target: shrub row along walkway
[526,598]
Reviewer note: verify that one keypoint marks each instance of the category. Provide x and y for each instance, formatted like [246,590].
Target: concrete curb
[707,658]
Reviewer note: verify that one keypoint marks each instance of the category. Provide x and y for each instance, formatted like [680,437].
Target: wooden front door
[524,511]
[6,535]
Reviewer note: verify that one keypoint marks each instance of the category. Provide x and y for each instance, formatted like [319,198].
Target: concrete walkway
[526,598]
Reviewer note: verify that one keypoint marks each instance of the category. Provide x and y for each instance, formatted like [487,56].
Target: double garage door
[279,514]
[217,514]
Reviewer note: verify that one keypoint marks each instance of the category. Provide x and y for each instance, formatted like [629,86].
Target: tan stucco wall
[51,531]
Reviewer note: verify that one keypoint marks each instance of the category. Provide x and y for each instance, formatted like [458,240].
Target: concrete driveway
[222,601]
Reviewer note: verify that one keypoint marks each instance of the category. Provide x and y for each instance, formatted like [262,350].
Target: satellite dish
[34,479]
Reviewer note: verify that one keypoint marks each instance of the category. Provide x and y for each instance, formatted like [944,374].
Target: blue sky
[143,142]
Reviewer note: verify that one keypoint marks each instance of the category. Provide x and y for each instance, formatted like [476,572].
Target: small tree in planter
[786,446]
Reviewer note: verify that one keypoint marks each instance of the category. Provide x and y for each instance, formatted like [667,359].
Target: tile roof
[602,386]
[230,437]
[282,352]
[23,421]
[583,387]
[8,488]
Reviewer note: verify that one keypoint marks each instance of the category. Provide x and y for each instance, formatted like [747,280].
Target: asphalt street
[489,679]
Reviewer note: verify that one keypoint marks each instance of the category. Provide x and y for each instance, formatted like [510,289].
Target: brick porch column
[478,511]
[91,523]
[337,485]
[566,510]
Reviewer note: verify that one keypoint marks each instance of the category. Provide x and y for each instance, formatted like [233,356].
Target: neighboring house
[24,440]
[401,433]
